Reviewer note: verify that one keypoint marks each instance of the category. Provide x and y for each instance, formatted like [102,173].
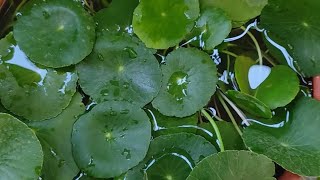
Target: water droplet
[177,85]
[19,14]
[290,46]
[88,27]
[90,164]
[100,56]
[45,14]
[126,153]
[124,111]
[112,112]
[132,53]
[104,92]
[126,85]
[61,163]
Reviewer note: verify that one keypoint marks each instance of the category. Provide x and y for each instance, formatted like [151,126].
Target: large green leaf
[117,17]
[55,137]
[250,104]
[112,138]
[241,70]
[55,33]
[240,11]
[296,145]
[30,91]
[212,27]
[120,68]
[296,25]
[21,155]
[280,87]
[189,80]
[240,165]
[183,149]
[161,24]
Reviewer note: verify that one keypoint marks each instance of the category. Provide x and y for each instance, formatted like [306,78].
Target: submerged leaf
[161,24]
[21,155]
[110,139]
[189,80]
[240,165]
[55,33]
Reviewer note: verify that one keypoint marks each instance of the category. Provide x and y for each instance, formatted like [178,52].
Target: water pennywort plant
[158,89]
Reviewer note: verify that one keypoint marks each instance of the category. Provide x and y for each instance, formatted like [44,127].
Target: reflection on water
[257,74]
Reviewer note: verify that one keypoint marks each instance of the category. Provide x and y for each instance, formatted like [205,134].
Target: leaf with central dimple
[120,68]
[30,91]
[161,24]
[189,148]
[55,33]
[296,145]
[55,137]
[299,32]
[21,155]
[189,80]
[231,165]
[112,138]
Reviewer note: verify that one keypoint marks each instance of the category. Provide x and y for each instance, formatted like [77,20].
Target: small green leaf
[117,17]
[212,27]
[250,104]
[297,31]
[240,165]
[230,137]
[296,145]
[55,33]
[240,11]
[241,68]
[161,24]
[120,68]
[189,80]
[55,137]
[112,138]
[21,155]
[30,91]
[188,147]
[280,87]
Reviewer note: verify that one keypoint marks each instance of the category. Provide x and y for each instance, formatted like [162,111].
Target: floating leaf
[161,24]
[295,146]
[55,33]
[189,80]
[240,11]
[130,71]
[230,137]
[212,27]
[190,148]
[280,88]
[32,92]
[112,138]
[297,31]
[21,155]
[241,70]
[250,104]
[117,17]
[55,137]
[240,165]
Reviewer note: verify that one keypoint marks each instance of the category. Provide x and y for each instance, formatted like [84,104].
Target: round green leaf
[241,69]
[189,80]
[280,88]
[240,165]
[169,166]
[250,104]
[161,24]
[21,155]
[112,138]
[130,71]
[240,11]
[33,92]
[55,33]
[298,31]
[296,145]
[117,17]
[212,27]
[189,147]
[55,137]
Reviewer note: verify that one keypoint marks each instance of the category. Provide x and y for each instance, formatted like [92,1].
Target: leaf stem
[230,115]
[255,43]
[215,127]
[229,53]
